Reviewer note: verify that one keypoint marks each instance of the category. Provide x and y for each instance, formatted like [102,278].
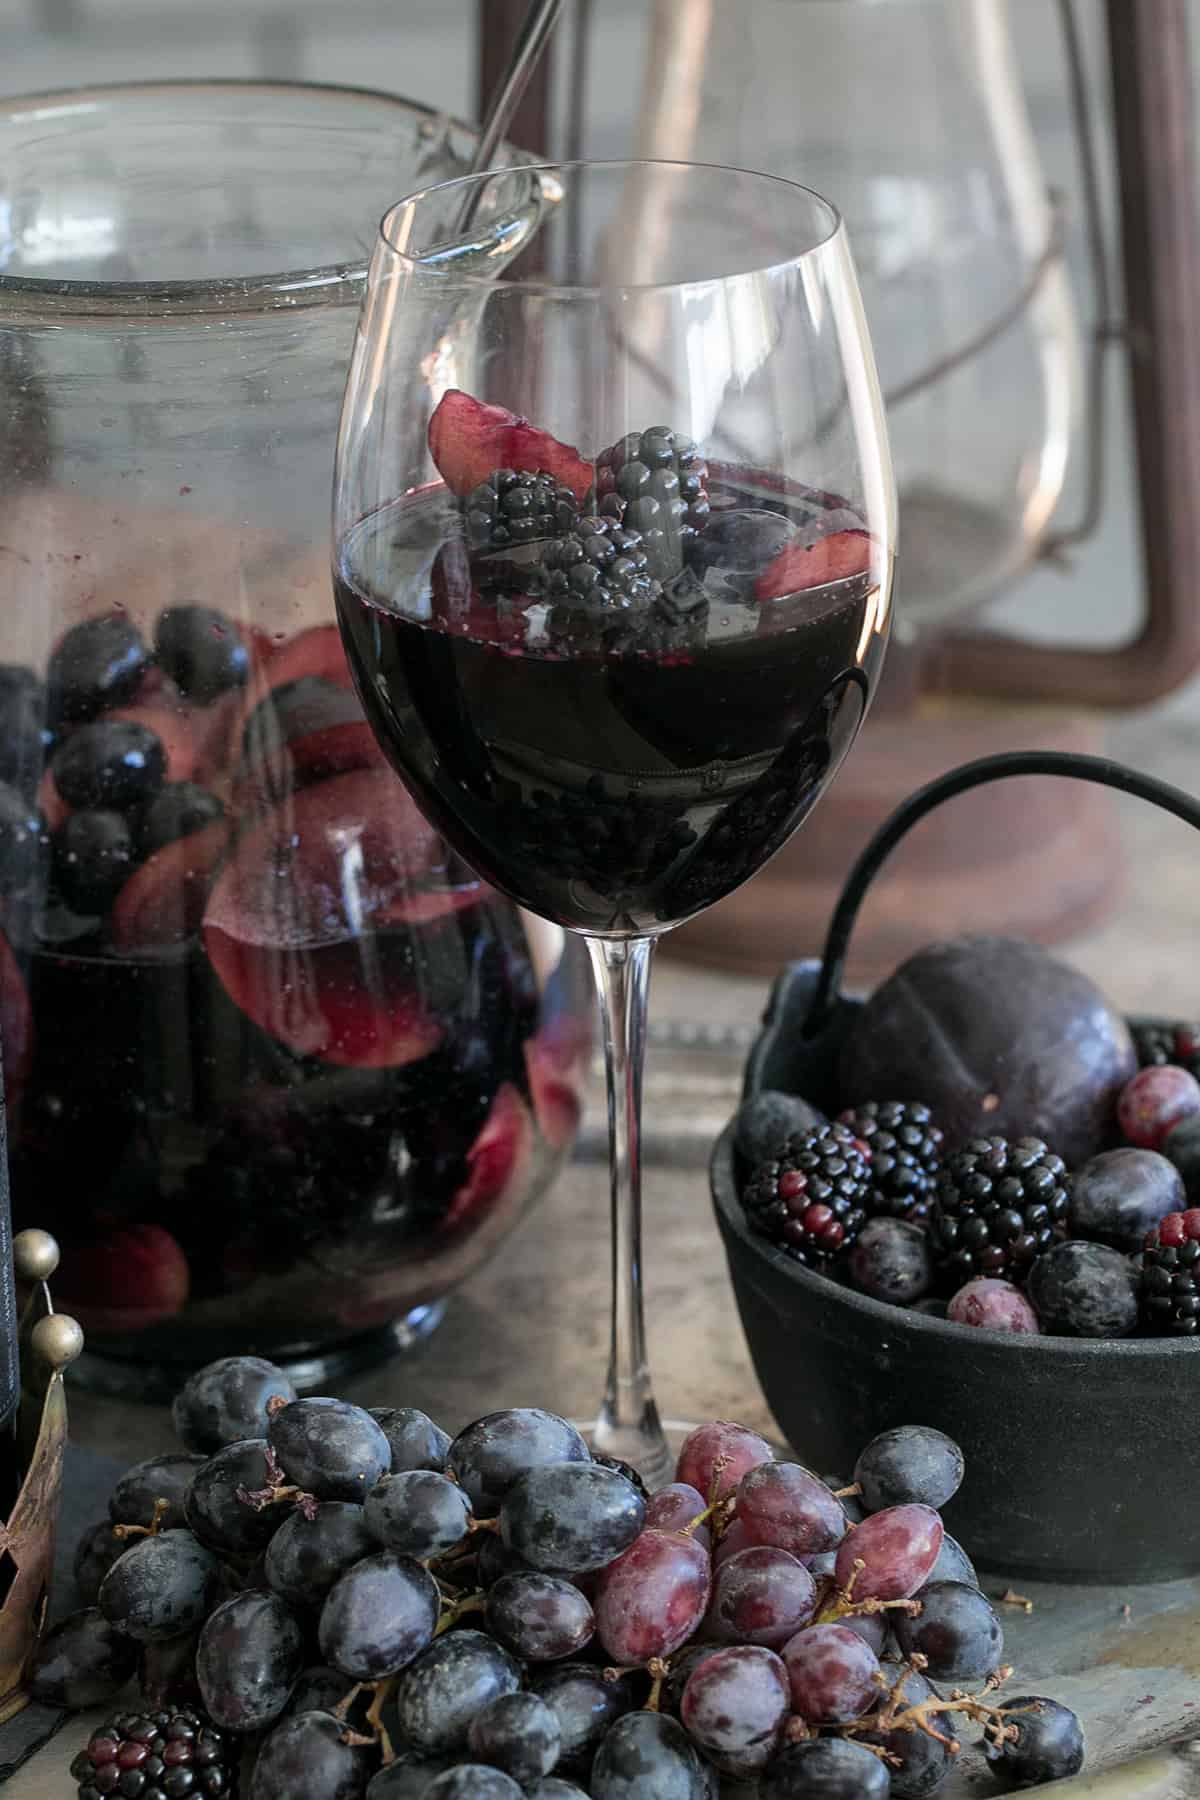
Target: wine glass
[614,524]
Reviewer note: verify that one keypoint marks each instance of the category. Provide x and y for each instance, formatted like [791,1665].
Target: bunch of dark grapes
[501,1615]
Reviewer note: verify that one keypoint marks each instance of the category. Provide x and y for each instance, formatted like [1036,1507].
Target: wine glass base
[655,1470]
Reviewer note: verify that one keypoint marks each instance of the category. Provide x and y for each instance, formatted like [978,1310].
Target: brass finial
[35,1255]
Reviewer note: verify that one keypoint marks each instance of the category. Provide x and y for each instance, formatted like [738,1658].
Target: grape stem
[848,1493]
[455,1610]
[895,1715]
[278,1489]
[161,1509]
[381,1692]
[845,1606]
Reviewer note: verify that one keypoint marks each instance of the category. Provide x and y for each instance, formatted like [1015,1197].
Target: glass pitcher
[279,1071]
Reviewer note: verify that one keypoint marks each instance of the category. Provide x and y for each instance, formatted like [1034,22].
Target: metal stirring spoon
[540,21]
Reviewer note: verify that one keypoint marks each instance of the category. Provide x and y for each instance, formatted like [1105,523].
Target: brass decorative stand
[49,1342]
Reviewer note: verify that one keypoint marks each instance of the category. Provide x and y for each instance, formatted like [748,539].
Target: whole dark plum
[999,1039]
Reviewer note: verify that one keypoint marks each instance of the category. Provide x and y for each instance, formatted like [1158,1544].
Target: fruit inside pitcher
[273,1055]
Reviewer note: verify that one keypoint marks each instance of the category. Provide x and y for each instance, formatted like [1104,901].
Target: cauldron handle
[1098,769]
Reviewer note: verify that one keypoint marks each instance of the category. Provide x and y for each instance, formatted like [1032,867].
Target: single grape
[517,1733]
[95,1554]
[735,1447]
[571,1517]
[790,1508]
[227,1401]
[585,1705]
[309,1553]
[897,1547]
[168,1478]
[651,1599]
[250,1653]
[329,1448]
[1154,1102]
[318,1689]
[892,1262]
[417,1513]
[161,1587]
[833,1674]
[473,1781]
[490,1456]
[1085,1290]
[540,1618]
[309,1754]
[82,1661]
[408,1778]
[416,1442]
[953,1563]
[1121,1195]
[378,1616]
[826,1769]
[956,1631]
[215,1511]
[920,1763]
[735,1707]
[990,1304]
[648,1753]
[675,1507]
[761,1596]
[1048,1745]
[911,1463]
[440,1693]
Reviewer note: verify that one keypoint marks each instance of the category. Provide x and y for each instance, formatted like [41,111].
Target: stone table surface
[531,1328]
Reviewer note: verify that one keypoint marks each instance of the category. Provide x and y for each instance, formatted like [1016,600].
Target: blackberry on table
[999,1205]
[513,507]
[137,1755]
[1167,1042]
[1170,1278]
[811,1199]
[906,1156]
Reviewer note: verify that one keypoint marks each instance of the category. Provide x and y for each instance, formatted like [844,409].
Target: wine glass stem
[628,1425]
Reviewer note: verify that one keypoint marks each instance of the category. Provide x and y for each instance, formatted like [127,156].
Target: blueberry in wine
[616,718]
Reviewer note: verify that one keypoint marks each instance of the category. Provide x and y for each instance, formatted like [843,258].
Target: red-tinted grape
[651,1599]
[762,1596]
[787,1506]
[897,1547]
[833,1675]
[1155,1101]
[735,1706]
[993,1305]
[735,1446]
[673,1508]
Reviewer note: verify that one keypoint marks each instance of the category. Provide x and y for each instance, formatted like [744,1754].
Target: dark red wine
[613,770]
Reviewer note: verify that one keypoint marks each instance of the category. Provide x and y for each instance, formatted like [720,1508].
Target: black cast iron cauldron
[1083,1457]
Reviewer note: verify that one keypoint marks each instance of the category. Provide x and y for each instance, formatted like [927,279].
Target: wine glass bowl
[614,531]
